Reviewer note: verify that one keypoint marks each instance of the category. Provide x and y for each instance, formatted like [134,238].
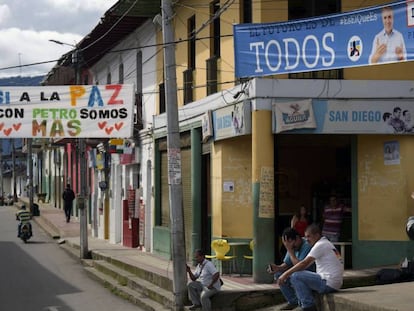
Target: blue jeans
[287,290]
[304,283]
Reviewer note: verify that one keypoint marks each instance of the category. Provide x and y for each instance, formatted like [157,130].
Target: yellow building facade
[247,186]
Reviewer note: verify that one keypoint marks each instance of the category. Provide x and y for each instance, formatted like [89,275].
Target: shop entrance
[309,169]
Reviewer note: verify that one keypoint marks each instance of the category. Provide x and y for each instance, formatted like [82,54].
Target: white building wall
[143,40]
[115,205]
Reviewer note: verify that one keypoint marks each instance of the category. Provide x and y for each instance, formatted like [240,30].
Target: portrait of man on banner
[388,44]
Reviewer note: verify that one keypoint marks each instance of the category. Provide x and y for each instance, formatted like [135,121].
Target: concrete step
[125,278]
[73,252]
[141,272]
[49,228]
[125,292]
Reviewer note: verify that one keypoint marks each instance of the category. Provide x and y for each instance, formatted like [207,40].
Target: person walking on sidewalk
[205,282]
[328,277]
[68,197]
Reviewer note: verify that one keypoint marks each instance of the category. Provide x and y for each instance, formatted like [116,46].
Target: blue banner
[376,35]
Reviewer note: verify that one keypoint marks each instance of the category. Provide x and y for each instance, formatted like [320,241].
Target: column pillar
[263,194]
[196,188]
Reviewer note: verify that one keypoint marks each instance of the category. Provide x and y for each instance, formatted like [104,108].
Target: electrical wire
[225,7]
[112,27]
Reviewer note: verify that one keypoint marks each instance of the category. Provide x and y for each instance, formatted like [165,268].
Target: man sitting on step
[297,248]
[328,277]
[205,282]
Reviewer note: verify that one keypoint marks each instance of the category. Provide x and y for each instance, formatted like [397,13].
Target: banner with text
[375,35]
[72,111]
[356,117]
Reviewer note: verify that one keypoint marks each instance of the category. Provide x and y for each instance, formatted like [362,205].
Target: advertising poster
[371,36]
[391,153]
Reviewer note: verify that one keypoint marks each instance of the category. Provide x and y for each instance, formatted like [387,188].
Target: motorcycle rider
[24,217]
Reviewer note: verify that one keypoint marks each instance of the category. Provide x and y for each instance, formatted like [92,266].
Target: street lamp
[75,58]
[81,199]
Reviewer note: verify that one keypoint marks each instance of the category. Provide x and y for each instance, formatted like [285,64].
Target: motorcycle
[25,232]
[24,227]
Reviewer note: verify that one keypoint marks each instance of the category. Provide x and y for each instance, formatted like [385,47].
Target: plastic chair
[248,257]
[221,248]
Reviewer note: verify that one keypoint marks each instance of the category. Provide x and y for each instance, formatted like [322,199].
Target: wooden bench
[41,197]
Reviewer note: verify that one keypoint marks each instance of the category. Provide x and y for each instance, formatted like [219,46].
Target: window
[309,8]
[191,61]
[161,89]
[121,73]
[215,29]
[211,63]
[108,78]
[188,85]
[138,95]
[246,11]
[212,75]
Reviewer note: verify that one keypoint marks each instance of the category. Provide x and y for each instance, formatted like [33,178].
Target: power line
[114,51]
[28,65]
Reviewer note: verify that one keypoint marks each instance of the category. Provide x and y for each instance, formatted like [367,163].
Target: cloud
[28,25]
[79,5]
[4,13]
[22,47]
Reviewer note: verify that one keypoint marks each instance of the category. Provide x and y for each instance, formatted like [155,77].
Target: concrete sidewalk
[397,297]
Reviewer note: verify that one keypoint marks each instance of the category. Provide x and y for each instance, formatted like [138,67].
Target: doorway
[308,170]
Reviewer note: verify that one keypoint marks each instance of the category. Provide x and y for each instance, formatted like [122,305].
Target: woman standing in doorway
[300,220]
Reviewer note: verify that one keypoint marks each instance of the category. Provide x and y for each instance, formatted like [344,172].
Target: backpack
[388,276]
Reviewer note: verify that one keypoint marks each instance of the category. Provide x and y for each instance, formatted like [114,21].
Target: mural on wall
[375,35]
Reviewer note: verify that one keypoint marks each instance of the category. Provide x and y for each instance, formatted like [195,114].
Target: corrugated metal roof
[118,22]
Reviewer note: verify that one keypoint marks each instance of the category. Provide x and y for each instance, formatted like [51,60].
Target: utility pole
[81,199]
[15,199]
[30,155]
[1,173]
[174,160]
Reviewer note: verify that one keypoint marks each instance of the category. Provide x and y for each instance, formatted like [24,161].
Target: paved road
[40,276]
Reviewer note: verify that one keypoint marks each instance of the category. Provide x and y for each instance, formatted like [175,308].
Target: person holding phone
[297,249]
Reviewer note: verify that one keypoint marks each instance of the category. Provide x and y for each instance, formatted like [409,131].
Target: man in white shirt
[205,282]
[388,44]
[328,277]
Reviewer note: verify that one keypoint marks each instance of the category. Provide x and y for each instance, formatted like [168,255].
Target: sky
[26,26]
